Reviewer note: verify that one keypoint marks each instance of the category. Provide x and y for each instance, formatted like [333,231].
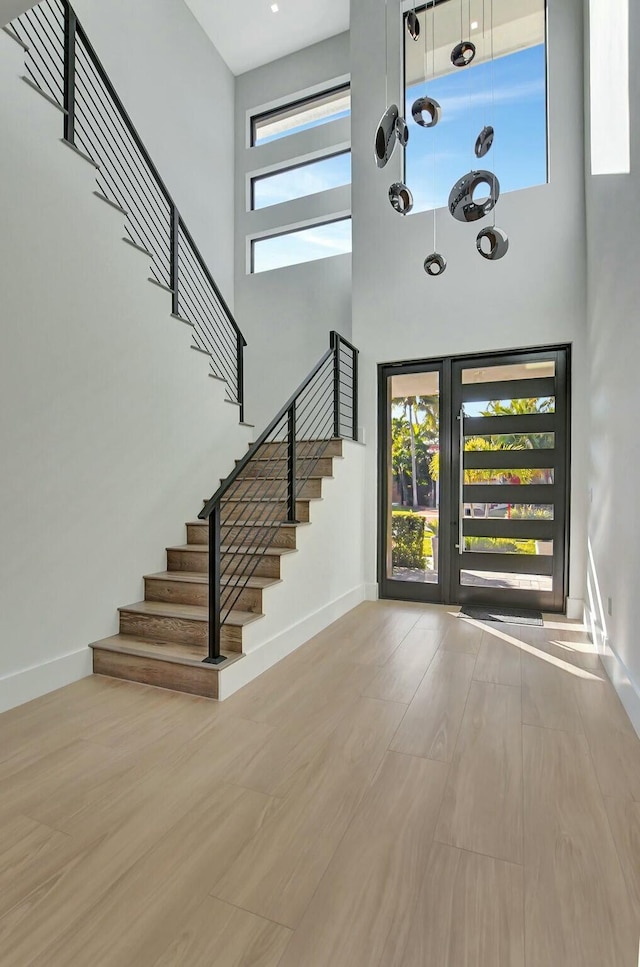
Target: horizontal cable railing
[263,492]
[62,62]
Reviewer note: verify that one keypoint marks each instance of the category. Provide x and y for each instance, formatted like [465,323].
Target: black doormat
[511,616]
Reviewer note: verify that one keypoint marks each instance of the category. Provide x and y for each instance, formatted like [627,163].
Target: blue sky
[435,157]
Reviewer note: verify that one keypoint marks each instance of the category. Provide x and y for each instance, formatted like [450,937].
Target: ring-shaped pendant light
[386,136]
[484,142]
[413,25]
[402,132]
[463,54]
[498,243]
[429,107]
[401,198]
[435,264]
[462,203]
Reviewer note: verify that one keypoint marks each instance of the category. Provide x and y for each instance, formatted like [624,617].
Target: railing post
[70,25]
[174,260]
[292,469]
[240,370]
[354,380]
[335,345]
[215,609]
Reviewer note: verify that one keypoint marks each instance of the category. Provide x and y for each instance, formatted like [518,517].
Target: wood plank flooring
[408,789]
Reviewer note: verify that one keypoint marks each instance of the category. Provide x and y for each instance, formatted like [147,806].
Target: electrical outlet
[610,607]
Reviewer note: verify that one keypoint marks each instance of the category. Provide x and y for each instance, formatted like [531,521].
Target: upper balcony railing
[61,61]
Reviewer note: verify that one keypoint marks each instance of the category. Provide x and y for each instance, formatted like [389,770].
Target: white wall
[320,582]
[180,96]
[286,314]
[535,296]
[111,432]
[613,203]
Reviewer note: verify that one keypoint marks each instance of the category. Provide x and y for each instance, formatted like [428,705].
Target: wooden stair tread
[267,500]
[198,577]
[190,612]
[252,523]
[245,480]
[234,549]
[169,651]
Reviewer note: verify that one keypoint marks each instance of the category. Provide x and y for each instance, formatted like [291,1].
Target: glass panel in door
[510,466]
[413,479]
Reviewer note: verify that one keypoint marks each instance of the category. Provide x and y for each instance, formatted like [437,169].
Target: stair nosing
[171,659]
[81,154]
[15,38]
[112,204]
[44,94]
[201,618]
[138,248]
[202,578]
[232,549]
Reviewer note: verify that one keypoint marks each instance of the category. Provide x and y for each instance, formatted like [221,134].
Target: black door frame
[443,592]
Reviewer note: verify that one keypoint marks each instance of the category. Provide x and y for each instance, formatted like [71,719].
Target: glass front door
[473,472]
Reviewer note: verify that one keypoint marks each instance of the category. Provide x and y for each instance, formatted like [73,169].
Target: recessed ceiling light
[474,25]
[274,8]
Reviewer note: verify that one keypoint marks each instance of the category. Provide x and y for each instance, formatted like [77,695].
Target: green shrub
[407,533]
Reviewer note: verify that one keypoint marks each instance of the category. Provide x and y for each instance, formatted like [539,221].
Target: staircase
[164,639]
[197,618]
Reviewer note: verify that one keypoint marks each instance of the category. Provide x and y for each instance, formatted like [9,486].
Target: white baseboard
[30,683]
[270,653]
[575,609]
[622,682]
[371,592]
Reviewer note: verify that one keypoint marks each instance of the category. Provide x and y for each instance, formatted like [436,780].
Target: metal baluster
[215,628]
[354,415]
[174,260]
[292,470]
[335,346]
[240,373]
[70,25]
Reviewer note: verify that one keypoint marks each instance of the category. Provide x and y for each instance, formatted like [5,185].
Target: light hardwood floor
[408,789]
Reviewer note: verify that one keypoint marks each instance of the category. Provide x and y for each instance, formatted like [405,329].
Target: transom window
[300,180]
[508,92]
[301,245]
[308,112]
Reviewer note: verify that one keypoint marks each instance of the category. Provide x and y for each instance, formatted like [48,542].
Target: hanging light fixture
[413,24]
[492,243]
[463,203]
[401,198]
[392,127]
[484,142]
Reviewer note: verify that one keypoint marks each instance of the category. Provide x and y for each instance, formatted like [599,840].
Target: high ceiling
[249,34]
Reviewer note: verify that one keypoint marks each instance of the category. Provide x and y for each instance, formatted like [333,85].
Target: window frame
[294,166]
[300,102]
[292,230]
[406,8]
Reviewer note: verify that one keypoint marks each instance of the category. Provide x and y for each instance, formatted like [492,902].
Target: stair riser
[176,592]
[188,561]
[319,448]
[179,678]
[250,599]
[256,510]
[283,537]
[280,537]
[263,567]
[176,629]
[319,467]
[164,628]
[275,488]
[179,593]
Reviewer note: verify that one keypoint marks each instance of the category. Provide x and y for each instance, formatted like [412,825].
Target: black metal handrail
[62,62]
[282,460]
